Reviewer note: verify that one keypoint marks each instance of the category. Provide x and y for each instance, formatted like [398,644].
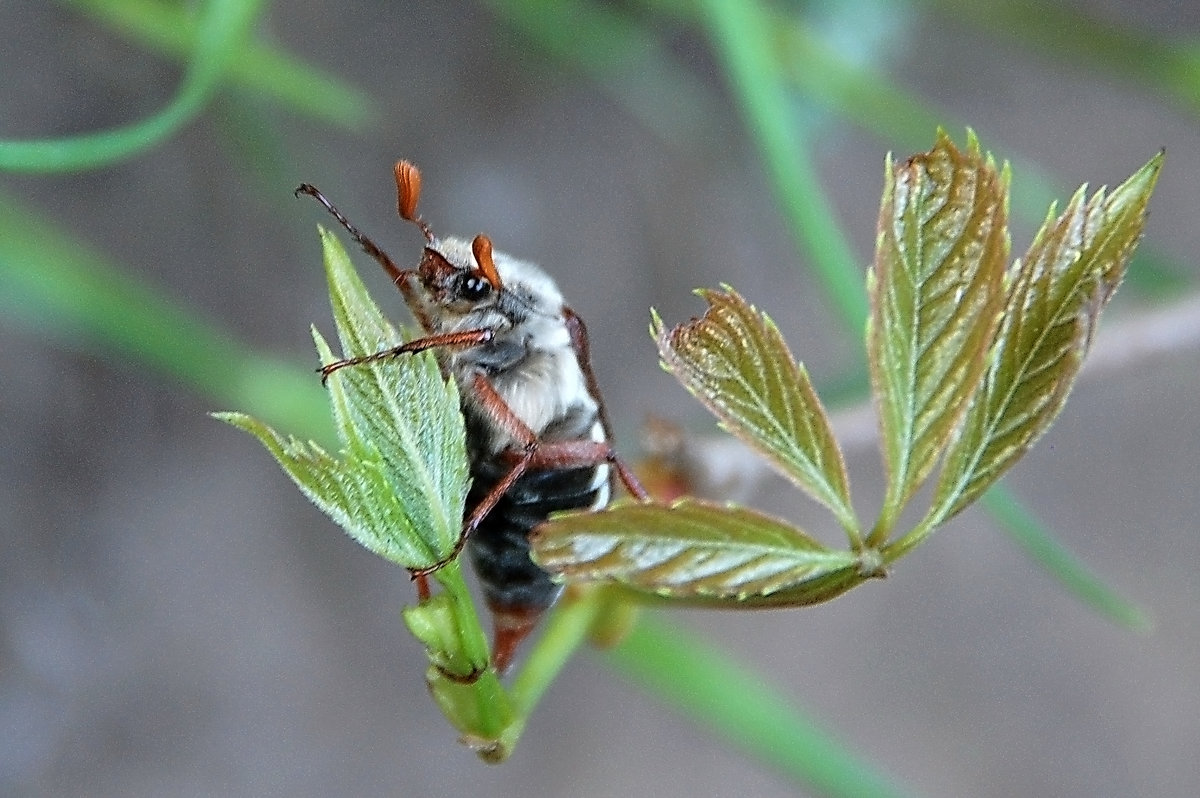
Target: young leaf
[734,360]
[1054,300]
[349,491]
[936,291]
[691,550]
[400,484]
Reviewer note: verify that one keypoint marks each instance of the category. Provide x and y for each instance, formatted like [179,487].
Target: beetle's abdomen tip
[511,625]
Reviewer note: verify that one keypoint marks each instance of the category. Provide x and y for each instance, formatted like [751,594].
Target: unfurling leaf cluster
[398,487]
[970,359]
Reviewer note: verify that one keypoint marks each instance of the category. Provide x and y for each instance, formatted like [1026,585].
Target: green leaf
[1055,296]
[936,291]
[734,360]
[403,406]
[400,484]
[353,492]
[691,550]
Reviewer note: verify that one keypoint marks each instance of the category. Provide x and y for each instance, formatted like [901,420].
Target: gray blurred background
[175,619]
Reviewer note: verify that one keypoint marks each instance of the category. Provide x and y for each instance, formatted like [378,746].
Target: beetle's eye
[475,288]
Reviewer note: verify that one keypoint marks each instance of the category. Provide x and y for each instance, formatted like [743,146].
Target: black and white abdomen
[499,548]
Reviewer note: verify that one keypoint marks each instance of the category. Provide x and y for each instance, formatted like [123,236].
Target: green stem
[565,631]
[169,29]
[745,710]
[492,710]
[746,44]
[563,634]
[222,28]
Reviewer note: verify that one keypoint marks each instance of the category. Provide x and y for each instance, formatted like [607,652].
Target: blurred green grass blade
[222,28]
[855,91]
[1038,543]
[59,288]
[623,57]
[745,711]
[261,69]
[742,35]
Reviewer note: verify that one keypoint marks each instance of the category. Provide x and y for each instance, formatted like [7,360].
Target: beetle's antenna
[408,193]
[369,246]
[481,248]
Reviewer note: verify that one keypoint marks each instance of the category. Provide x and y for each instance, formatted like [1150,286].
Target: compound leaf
[399,486]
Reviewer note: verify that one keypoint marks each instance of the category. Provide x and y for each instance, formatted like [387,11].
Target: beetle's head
[454,277]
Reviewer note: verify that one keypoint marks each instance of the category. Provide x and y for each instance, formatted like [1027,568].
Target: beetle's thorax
[530,360]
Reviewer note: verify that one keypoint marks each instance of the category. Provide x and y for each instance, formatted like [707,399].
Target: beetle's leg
[454,340]
[531,454]
[512,625]
[579,343]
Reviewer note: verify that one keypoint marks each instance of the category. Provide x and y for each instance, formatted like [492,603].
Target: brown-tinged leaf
[696,551]
[734,360]
[1055,296]
[936,290]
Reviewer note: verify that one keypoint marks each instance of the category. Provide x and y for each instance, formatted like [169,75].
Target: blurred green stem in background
[222,28]
[255,67]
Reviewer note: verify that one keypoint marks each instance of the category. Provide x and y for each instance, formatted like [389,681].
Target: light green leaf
[1055,297]
[936,292]
[734,360]
[354,492]
[699,552]
[400,484]
[403,406]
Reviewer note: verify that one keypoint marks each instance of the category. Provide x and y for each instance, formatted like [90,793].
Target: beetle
[538,437]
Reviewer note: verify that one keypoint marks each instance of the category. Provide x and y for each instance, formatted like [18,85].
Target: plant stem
[222,28]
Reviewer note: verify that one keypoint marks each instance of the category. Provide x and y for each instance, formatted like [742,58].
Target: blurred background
[175,618]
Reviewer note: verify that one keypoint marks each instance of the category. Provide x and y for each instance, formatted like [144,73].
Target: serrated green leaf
[734,360]
[353,492]
[936,290]
[1056,293]
[399,485]
[695,551]
[404,407]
